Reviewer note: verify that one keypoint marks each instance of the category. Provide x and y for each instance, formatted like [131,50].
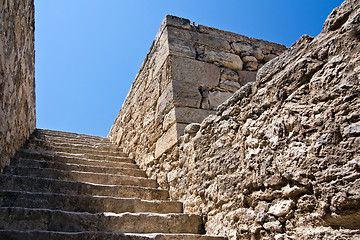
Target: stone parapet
[17,83]
[189,71]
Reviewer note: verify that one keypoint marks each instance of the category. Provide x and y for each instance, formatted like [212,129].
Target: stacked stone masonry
[280,158]
[17,85]
[189,71]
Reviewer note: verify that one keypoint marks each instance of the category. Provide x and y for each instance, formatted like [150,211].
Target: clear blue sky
[88,52]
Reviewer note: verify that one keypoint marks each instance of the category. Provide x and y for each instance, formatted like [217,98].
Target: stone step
[73,160]
[41,143]
[61,140]
[56,220]
[54,133]
[129,169]
[35,184]
[97,178]
[46,235]
[61,156]
[51,140]
[85,203]
[78,150]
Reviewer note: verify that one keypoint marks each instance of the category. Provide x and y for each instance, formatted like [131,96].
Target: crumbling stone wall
[280,159]
[189,71]
[17,85]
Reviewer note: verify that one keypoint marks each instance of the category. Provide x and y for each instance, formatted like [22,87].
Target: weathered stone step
[47,132]
[85,203]
[56,220]
[97,178]
[60,140]
[73,160]
[35,184]
[46,235]
[61,156]
[78,150]
[42,143]
[129,169]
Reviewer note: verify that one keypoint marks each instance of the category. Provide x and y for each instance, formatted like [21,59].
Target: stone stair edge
[78,144]
[76,149]
[8,168]
[62,140]
[89,177]
[78,166]
[124,165]
[93,204]
[115,222]
[68,181]
[117,236]
[84,157]
[57,132]
[61,186]
[110,214]
[81,161]
[90,196]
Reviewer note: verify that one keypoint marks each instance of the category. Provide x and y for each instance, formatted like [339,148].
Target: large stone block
[185,115]
[176,22]
[191,115]
[199,38]
[169,139]
[181,48]
[159,58]
[196,72]
[186,94]
[165,101]
[210,41]
[177,33]
[169,119]
[246,76]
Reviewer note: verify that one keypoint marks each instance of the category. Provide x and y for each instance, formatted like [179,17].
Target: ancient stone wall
[280,159]
[189,71]
[17,85]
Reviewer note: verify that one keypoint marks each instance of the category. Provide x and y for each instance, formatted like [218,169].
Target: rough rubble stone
[240,47]
[229,86]
[281,208]
[228,60]
[269,57]
[251,66]
[249,59]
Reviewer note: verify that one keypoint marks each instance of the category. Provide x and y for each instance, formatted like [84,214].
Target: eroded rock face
[280,159]
[17,85]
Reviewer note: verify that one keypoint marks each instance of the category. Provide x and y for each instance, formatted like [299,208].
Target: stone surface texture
[280,158]
[17,85]
[189,71]
[58,187]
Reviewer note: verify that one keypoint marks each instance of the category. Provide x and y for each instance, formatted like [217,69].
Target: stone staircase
[71,186]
